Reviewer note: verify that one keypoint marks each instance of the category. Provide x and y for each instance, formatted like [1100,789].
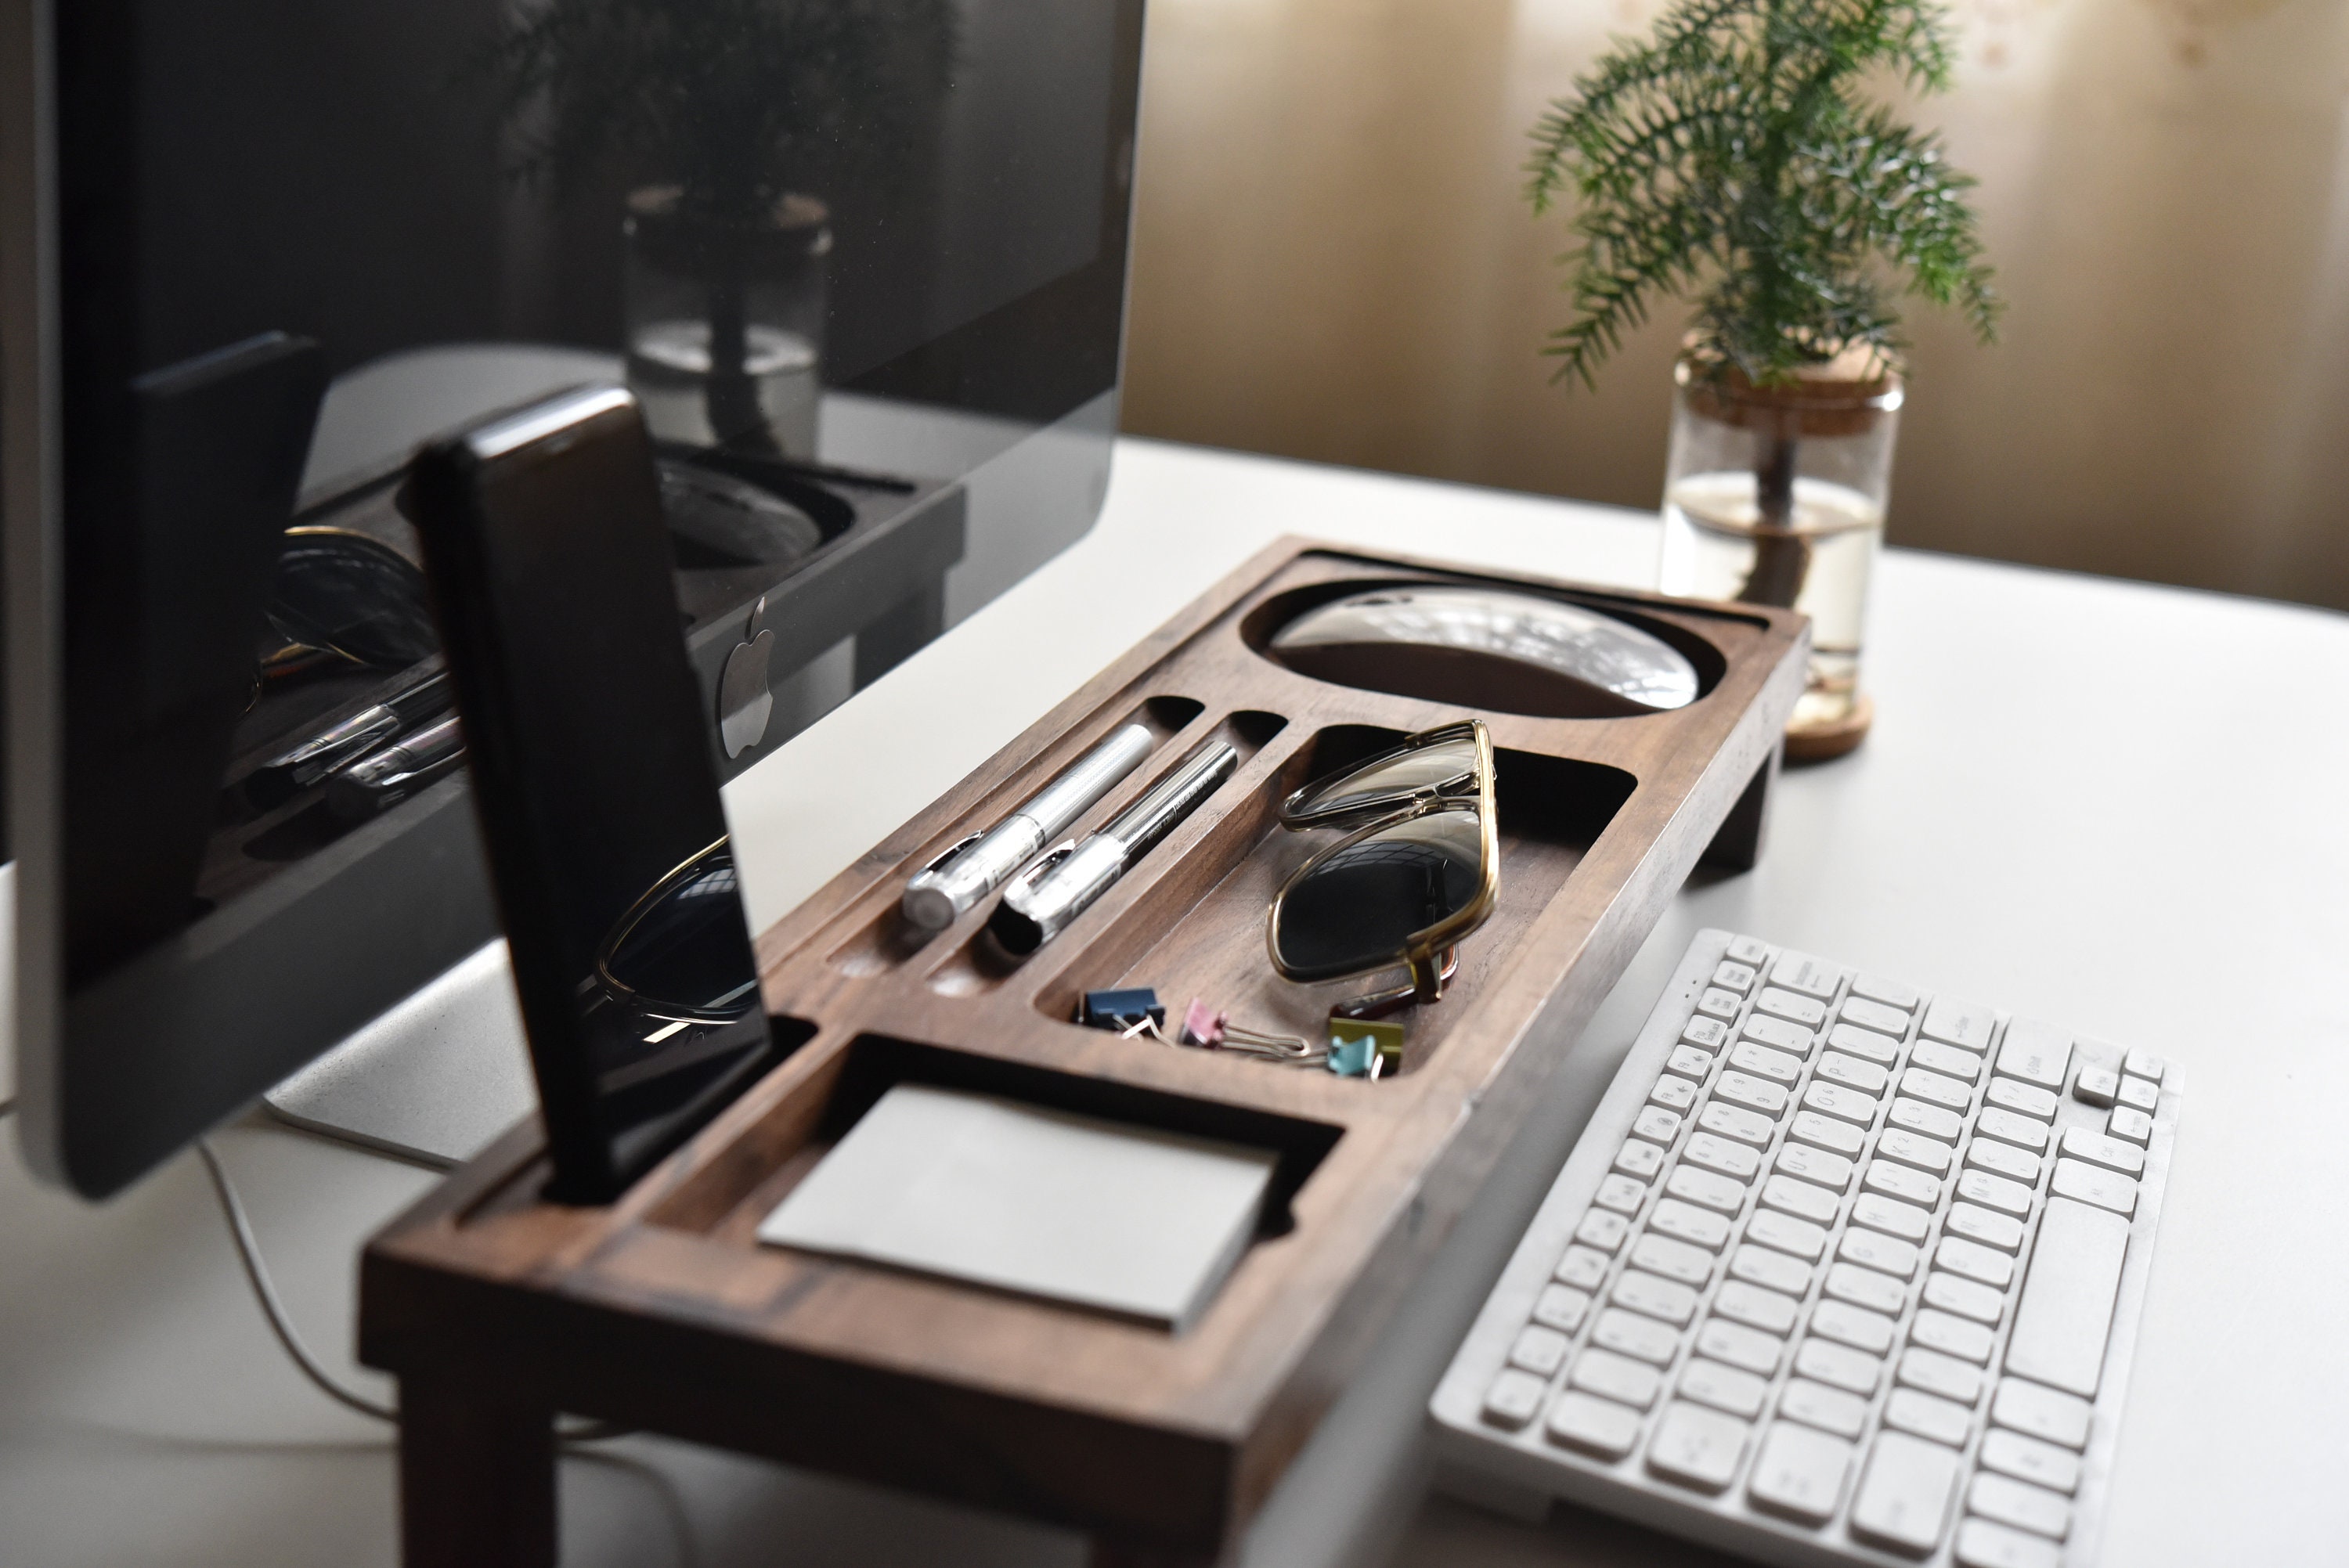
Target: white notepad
[1127,1219]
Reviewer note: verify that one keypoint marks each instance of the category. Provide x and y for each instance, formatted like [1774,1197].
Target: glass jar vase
[725,321]
[1775,496]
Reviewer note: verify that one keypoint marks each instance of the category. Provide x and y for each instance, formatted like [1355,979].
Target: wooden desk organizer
[661,1312]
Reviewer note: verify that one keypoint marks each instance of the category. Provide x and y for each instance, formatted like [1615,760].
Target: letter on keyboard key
[1801,1200]
[1911,1186]
[1904,1495]
[1639,1158]
[1992,1230]
[1706,1189]
[2043,1413]
[1889,1253]
[1786,1234]
[1595,1426]
[1799,1473]
[1739,1347]
[1687,1223]
[1975,1261]
[1621,1193]
[1830,1409]
[1582,1268]
[1831,1171]
[1938,1373]
[1801,972]
[1966,1024]
[2003,1159]
[1627,1334]
[1738,1160]
[1982,1544]
[1931,1121]
[2020,1504]
[1879,1213]
[2133,1126]
[1825,1133]
[1843,1104]
[1624,1381]
[1853,1326]
[2028,1459]
[1561,1307]
[1995,1192]
[1732,975]
[1513,1399]
[1929,1154]
[1692,1266]
[1838,1365]
[1852,1073]
[2028,1099]
[1724,1387]
[2105,1188]
[1908,1410]
[2035,1053]
[1779,1033]
[2109,1153]
[2066,1310]
[1740,1126]
[1718,1003]
[1866,1288]
[1937,1330]
[1661,1298]
[1882,1049]
[1697,1447]
[1750,1304]
[1772,1270]
[1922,1083]
[1750,951]
[1752,1093]
[1540,1351]
[1705,1034]
[1965,1297]
[1602,1229]
[1656,1124]
[1792,1007]
[1778,1067]
[2008,1126]
[1685,1068]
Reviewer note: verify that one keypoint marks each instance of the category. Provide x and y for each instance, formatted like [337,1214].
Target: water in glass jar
[1712,534]
[668,370]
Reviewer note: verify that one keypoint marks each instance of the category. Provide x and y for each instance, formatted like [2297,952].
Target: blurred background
[1334,261]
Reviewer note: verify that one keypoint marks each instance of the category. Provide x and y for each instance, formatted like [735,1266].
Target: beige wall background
[1334,262]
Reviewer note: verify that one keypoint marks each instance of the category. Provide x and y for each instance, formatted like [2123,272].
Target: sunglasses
[1418,870]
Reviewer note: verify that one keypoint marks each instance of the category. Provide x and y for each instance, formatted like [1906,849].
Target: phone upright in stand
[550,566]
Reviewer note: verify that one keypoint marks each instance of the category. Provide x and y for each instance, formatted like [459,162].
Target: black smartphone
[549,562]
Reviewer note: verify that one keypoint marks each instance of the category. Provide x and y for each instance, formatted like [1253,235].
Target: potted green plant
[1738,158]
[729,112]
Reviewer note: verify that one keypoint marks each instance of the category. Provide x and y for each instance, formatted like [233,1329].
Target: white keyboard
[1840,1273]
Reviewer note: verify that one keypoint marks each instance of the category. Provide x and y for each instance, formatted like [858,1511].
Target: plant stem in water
[1782,557]
[730,394]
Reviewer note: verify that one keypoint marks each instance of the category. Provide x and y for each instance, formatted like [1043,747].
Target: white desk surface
[2110,804]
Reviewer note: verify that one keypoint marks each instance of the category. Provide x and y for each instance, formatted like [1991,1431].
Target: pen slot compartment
[1203,936]
[882,938]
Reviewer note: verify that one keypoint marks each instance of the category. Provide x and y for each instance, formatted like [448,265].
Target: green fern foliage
[1734,155]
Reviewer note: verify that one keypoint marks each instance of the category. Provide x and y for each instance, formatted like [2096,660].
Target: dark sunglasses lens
[689,950]
[358,597]
[1426,768]
[1360,908]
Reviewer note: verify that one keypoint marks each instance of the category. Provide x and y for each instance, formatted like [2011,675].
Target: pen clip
[953,850]
[1026,880]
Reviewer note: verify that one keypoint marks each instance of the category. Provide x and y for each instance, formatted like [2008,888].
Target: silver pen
[1041,903]
[946,889]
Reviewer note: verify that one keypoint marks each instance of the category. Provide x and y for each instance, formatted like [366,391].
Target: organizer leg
[1737,847]
[476,1476]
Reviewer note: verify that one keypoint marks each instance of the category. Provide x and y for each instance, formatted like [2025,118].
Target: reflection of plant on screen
[737,105]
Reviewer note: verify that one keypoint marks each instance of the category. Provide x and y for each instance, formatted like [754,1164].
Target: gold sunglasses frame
[1423,953]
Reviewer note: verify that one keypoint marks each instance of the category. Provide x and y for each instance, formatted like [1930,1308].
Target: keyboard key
[1965,1297]
[1743,1125]
[1975,1261]
[1843,1104]
[2065,1312]
[1758,1309]
[1772,1270]
[2028,1459]
[1602,1230]
[2003,1160]
[1538,1350]
[1824,1132]
[2105,1188]
[2134,1126]
[1717,1003]
[1853,1326]
[2019,1504]
[1853,1073]
[1876,1048]
[1786,1234]
[2010,1126]
[2000,1231]
[1686,1222]
[1832,1171]
[2098,1087]
[1706,1189]
[2042,1413]
[1687,1064]
[1777,1032]
[1889,1254]
[1738,1162]
[1621,1193]
[2029,1099]
[1513,1399]
[1912,1410]
[1866,1288]
[1732,975]
[1911,1186]
[1937,1330]
[1799,1473]
[1791,1006]
[1752,1093]
[1705,1034]
[1904,1495]
[1932,1120]
[2146,1065]
[1879,1213]
[2035,1053]
[1724,1387]
[1922,1083]
[1625,1382]
[1830,1409]
[1982,1544]
[1750,951]
[1801,1200]
[1891,993]
[1697,1448]
[1561,1307]
[1928,1154]
[1628,1334]
[1595,1426]
[1639,1158]
[1739,1347]
[2109,1153]
[1995,1192]
[1778,1067]
[1938,1373]
[1669,1300]
[1582,1268]
[1656,1124]
[1947,1060]
[1801,972]
[1692,1266]
[1838,1365]
[1966,1024]
[1674,1094]
[1869,1015]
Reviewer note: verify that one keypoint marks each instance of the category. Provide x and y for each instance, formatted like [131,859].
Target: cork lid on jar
[1848,395]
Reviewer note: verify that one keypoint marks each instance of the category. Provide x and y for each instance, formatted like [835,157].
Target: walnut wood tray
[661,1312]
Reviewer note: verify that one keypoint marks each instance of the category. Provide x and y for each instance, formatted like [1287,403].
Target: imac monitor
[862,263]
